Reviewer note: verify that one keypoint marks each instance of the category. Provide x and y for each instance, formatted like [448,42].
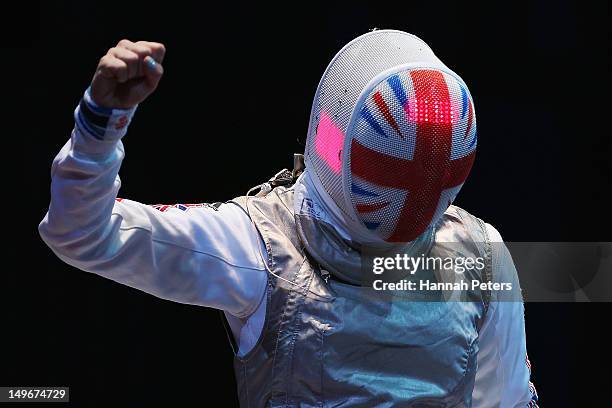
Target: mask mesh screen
[412,148]
[411,142]
[348,74]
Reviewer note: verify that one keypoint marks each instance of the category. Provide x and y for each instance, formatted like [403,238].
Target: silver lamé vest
[326,343]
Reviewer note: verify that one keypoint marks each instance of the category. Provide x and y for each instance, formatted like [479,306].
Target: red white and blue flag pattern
[412,149]
[178,206]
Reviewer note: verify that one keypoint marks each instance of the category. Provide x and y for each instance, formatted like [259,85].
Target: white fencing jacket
[212,256]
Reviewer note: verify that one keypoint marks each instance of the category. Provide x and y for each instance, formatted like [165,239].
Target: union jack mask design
[392,136]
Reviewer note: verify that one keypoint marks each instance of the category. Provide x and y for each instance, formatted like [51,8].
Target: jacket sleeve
[503,374]
[196,254]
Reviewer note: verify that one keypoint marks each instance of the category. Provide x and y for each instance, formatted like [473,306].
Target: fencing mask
[391,139]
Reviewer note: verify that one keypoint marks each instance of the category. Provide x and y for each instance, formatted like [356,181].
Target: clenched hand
[127,74]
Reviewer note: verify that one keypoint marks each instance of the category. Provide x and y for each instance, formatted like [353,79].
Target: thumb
[153,72]
[141,88]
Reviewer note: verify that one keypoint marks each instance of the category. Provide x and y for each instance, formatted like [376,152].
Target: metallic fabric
[334,344]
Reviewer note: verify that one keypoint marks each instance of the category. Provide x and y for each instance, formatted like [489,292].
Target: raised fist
[127,74]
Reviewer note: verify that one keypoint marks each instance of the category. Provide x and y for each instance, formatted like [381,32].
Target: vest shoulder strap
[478,229]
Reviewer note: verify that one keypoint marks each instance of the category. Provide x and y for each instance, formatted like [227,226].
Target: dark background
[235,97]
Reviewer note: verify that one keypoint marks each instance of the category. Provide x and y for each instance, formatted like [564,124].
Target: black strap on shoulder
[283,177]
